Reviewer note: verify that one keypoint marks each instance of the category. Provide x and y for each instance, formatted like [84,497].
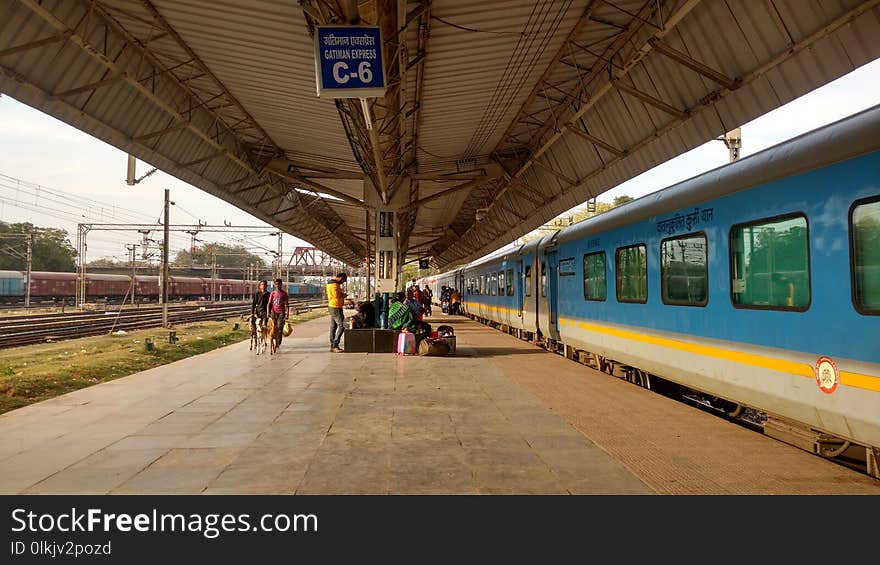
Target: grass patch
[37,372]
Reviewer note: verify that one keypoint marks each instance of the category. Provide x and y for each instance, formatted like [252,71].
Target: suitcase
[406,344]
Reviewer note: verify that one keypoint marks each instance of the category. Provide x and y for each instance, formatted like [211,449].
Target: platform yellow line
[848,378]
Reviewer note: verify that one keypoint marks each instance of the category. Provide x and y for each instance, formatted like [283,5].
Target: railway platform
[502,416]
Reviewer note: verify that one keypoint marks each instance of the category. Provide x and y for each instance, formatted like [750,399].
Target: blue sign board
[348,62]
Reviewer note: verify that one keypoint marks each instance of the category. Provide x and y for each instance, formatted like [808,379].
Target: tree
[575,217]
[411,271]
[621,200]
[51,250]
[105,263]
[226,255]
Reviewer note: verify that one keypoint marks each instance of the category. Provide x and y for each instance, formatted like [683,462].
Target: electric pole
[27,279]
[132,247]
[213,272]
[278,268]
[165,259]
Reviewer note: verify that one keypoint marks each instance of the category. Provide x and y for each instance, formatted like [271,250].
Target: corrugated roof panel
[465,108]
[270,71]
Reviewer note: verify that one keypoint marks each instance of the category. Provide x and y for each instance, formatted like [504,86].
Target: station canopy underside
[511,110]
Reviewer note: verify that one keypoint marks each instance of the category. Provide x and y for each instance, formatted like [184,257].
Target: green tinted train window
[528,281]
[501,283]
[509,281]
[632,274]
[683,272]
[865,227]
[594,276]
[769,264]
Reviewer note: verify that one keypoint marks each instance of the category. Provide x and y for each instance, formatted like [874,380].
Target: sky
[52,174]
[67,177]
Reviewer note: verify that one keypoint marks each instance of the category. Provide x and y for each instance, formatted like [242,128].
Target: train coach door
[518,289]
[552,293]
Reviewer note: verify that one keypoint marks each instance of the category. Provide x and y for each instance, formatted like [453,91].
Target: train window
[529,280]
[544,279]
[509,281]
[684,275]
[632,274]
[770,265]
[482,284]
[501,283]
[595,286]
[865,255]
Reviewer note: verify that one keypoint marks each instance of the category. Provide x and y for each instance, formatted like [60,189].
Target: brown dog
[274,336]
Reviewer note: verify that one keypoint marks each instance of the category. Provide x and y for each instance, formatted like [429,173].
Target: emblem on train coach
[827,375]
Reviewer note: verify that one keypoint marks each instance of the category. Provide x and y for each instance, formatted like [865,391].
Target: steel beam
[693,64]
[90,87]
[594,140]
[650,100]
[557,174]
[444,193]
[33,44]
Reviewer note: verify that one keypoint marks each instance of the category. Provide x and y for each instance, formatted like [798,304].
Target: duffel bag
[433,347]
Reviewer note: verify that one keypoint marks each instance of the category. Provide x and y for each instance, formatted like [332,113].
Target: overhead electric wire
[503,86]
[14,183]
[507,88]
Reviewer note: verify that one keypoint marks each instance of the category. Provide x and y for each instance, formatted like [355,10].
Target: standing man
[335,303]
[279,307]
[455,302]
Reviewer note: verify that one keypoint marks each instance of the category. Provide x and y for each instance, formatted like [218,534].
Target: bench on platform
[370,340]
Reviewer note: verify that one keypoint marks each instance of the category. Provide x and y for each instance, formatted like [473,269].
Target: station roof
[511,111]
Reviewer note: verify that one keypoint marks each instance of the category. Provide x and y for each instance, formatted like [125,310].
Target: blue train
[757,283]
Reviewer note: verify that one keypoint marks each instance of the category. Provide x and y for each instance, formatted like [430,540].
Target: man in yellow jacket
[335,303]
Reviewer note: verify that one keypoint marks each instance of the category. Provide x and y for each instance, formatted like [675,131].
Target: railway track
[17,331]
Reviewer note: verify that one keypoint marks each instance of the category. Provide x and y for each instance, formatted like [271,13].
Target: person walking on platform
[260,303]
[335,303]
[278,307]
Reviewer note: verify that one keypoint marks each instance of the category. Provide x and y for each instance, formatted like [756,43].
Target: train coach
[57,287]
[757,283]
